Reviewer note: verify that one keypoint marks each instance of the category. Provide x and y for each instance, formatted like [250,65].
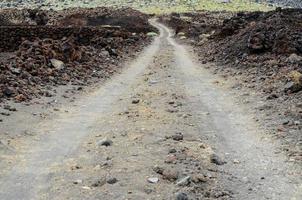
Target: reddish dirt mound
[65,51]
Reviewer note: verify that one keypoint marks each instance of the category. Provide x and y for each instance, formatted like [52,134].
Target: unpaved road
[142,111]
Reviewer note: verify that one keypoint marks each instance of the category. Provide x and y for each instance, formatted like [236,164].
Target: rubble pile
[16,16]
[129,18]
[195,23]
[263,50]
[267,47]
[36,57]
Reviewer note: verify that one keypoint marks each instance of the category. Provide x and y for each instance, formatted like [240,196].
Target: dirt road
[162,129]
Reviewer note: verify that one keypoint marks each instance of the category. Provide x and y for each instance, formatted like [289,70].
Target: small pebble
[112,180]
[182,196]
[153,180]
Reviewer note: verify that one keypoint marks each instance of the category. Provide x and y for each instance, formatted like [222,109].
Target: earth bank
[263,52]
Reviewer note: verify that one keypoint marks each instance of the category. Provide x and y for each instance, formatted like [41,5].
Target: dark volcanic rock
[40,48]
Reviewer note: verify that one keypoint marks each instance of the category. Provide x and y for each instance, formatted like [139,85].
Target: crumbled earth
[263,52]
[40,49]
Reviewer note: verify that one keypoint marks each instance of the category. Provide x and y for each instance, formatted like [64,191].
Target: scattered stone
[9,108]
[148,190]
[295,85]
[5,114]
[172,151]
[204,36]
[112,180]
[272,96]
[184,181]
[170,110]
[153,180]
[170,174]
[181,34]
[292,87]
[57,64]
[294,58]
[182,196]
[75,167]
[105,142]
[98,182]
[152,34]
[171,159]
[153,82]
[20,98]
[199,178]
[217,160]
[86,188]
[8,91]
[135,101]
[158,169]
[177,136]
[76,182]
[235,161]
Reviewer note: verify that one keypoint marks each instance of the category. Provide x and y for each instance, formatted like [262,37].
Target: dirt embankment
[263,51]
[40,49]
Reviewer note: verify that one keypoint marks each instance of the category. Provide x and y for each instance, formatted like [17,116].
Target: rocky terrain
[288,3]
[111,103]
[147,6]
[261,50]
[41,49]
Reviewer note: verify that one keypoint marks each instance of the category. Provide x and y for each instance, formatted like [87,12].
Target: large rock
[57,64]
[295,85]
[294,58]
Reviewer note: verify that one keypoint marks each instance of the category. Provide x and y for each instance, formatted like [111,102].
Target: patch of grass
[167,6]
[211,5]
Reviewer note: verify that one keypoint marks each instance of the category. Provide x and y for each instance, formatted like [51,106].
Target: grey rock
[178,136]
[184,181]
[158,169]
[172,151]
[57,64]
[292,87]
[152,34]
[182,196]
[105,142]
[98,182]
[294,58]
[217,160]
[153,180]
[170,174]
[112,180]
